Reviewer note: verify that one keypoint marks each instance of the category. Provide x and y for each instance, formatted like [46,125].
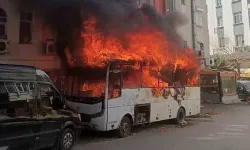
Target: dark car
[243,90]
[33,114]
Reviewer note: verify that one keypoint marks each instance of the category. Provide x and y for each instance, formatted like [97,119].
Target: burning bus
[153,79]
[131,94]
[125,65]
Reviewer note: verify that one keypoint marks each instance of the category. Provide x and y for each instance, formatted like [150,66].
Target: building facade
[229,25]
[200,30]
[25,39]
[194,32]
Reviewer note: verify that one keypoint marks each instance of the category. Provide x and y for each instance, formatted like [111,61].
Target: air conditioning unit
[3,47]
[49,47]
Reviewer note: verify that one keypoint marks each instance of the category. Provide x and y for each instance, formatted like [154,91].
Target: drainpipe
[193,23]
[172,3]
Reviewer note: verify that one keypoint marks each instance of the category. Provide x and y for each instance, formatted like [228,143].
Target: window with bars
[218,3]
[239,40]
[219,21]
[221,42]
[237,18]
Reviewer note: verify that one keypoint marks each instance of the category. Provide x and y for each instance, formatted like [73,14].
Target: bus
[118,103]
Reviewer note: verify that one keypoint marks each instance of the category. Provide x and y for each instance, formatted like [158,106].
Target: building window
[237,18]
[183,2]
[3,21]
[199,20]
[25,30]
[185,44]
[221,42]
[219,21]
[201,46]
[239,40]
[236,0]
[218,3]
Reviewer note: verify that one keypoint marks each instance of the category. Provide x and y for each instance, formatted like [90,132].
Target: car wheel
[181,115]
[67,139]
[125,127]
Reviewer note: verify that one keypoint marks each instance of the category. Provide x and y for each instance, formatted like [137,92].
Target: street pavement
[228,129]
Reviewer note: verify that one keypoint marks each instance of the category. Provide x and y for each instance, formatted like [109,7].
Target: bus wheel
[125,127]
[181,115]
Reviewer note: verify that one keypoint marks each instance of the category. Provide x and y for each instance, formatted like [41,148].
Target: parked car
[33,114]
[243,90]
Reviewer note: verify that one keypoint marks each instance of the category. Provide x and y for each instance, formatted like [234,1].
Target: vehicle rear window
[10,87]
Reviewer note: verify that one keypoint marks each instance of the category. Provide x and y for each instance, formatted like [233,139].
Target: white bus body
[161,108]
[141,105]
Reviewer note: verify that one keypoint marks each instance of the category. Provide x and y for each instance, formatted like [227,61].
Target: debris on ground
[163,129]
[206,115]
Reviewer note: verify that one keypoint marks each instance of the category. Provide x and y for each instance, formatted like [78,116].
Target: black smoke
[115,17]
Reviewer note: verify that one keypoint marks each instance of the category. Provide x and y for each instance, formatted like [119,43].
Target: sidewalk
[208,111]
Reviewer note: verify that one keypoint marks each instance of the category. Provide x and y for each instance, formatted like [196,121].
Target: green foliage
[221,63]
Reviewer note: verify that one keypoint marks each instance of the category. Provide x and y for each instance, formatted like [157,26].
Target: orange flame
[94,89]
[147,44]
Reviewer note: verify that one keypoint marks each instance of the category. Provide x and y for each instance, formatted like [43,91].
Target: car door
[50,121]
[17,119]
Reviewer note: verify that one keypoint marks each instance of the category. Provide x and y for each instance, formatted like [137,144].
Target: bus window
[150,77]
[76,87]
[131,77]
[114,86]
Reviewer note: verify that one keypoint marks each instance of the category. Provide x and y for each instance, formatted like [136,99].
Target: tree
[227,56]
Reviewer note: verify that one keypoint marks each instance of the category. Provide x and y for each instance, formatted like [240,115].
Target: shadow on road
[162,126]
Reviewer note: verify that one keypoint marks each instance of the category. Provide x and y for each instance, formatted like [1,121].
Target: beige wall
[26,54]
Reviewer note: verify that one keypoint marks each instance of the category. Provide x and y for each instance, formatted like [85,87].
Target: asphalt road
[229,129]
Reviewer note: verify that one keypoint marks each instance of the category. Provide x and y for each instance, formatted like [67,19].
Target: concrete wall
[27,54]
[185,30]
[208,98]
[201,32]
[230,99]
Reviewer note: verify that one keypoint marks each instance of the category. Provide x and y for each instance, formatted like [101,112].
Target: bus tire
[125,127]
[181,115]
